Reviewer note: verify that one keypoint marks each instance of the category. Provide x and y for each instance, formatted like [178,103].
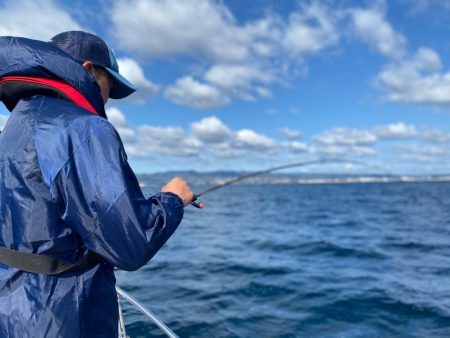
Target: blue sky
[247,84]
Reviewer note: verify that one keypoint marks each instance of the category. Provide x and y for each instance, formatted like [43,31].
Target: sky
[249,84]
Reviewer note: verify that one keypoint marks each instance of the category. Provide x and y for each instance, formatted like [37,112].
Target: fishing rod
[201,205]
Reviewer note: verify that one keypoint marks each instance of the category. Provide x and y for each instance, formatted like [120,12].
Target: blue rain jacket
[66,188]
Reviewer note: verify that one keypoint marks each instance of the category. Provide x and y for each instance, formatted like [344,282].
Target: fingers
[179,187]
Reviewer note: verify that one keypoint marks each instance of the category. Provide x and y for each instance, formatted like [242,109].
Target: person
[67,190]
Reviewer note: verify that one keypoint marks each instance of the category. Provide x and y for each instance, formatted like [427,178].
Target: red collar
[74,95]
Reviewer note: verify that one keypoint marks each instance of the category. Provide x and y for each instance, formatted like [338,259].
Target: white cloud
[116,117]
[418,7]
[133,72]
[211,129]
[309,30]
[422,153]
[118,120]
[237,76]
[344,142]
[170,135]
[154,28]
[296,146]
[435,135]
[240,80]
[338,151]
[372,27]
[263,92]
[187,91]
[166,141]
[402,131]
[290,133]
[249,139]
[346,137]
[35,19]
[417,80]
[396,131]
[226,151]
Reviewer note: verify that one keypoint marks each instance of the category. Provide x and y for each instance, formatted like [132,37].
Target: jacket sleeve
[104,204]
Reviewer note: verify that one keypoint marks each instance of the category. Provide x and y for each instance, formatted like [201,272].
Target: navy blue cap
[83,47]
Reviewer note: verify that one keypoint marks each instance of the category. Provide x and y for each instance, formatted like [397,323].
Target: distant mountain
[197,179]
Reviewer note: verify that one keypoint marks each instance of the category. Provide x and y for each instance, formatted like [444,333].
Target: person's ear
[89,67]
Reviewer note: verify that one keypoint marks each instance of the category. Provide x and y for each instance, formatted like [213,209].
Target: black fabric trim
[11,92]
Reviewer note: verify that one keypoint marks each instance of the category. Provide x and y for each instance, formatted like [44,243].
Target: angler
[70,206]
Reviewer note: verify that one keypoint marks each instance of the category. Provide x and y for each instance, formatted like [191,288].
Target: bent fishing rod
[201,205]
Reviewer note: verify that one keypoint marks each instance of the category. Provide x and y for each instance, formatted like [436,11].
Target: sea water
[329,260]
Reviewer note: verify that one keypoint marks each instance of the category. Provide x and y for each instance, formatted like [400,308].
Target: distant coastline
[213,178]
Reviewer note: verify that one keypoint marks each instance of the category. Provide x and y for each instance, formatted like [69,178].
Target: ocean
[292,260]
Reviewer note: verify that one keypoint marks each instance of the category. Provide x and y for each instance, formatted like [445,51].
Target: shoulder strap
[38,263]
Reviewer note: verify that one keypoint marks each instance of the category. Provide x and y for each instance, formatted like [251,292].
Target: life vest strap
[42,264]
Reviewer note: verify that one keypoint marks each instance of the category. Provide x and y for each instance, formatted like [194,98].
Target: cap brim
[122,87]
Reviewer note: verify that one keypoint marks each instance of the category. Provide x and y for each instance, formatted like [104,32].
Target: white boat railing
[153,318]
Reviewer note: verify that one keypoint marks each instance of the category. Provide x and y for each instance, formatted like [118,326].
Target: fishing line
[201,205]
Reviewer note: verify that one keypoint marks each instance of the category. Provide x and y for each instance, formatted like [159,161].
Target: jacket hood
[22,57]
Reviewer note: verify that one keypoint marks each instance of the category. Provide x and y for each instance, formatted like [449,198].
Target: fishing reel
[199,205]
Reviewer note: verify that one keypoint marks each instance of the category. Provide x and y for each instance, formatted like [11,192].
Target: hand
[179,187]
